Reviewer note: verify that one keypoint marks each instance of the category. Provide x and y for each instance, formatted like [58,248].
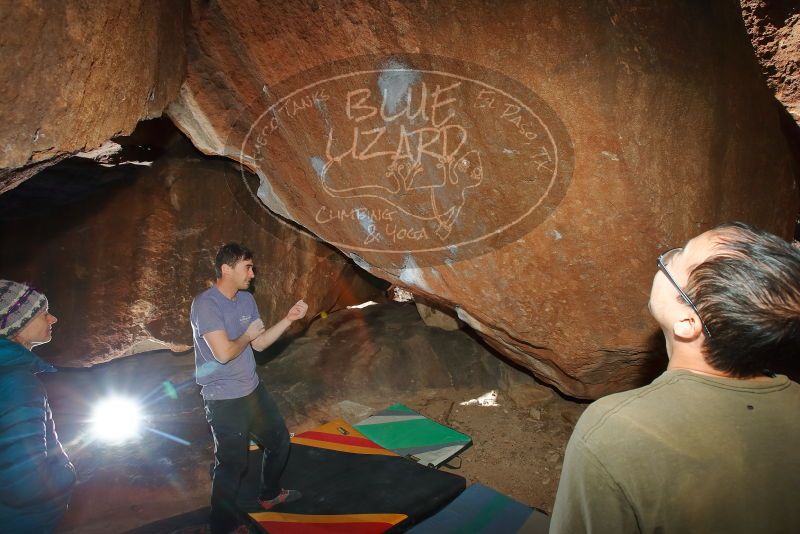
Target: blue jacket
[36,476]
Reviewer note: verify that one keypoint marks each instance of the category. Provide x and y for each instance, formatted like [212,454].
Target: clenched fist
[298,311]
[255,329]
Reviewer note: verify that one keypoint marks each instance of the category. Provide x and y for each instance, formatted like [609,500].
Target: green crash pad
[411,434]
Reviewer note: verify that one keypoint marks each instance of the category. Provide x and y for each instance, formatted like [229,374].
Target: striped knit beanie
[19,303]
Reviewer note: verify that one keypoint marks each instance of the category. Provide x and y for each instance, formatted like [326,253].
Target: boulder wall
[75,75]
[586,137]
[120,267]
[774,29]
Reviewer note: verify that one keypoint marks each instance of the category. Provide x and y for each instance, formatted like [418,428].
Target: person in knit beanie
[36,476]
[19,304]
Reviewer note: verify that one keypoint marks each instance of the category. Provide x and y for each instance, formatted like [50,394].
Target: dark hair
[748,294]
[230,254]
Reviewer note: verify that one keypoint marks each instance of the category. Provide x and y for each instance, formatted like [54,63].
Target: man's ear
[687,328]
[225,269]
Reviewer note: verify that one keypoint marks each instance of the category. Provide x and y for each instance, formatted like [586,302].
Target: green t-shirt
[687,453]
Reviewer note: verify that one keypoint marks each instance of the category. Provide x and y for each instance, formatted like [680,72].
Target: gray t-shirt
[211,310]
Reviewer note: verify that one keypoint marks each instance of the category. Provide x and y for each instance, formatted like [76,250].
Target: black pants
[232,422]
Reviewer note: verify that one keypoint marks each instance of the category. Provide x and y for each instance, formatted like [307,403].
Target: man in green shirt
[713,444]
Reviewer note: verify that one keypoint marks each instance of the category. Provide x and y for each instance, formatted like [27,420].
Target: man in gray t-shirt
[226,327]
[211,312]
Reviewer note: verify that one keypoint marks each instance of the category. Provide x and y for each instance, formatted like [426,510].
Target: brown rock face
[75,75]
[437,318]
[121,266]
[774,29]
[521,162]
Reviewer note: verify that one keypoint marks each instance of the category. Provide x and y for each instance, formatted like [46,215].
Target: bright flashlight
[116,420]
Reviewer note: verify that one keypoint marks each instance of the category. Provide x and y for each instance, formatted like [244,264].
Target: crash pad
[411,434]
[350,484]
[482,510]
[194,522]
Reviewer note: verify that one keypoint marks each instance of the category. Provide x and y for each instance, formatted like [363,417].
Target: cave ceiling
[520,164]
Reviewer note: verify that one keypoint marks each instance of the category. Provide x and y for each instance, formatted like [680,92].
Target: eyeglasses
[661,262]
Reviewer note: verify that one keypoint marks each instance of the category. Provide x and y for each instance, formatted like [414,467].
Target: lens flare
[116,420]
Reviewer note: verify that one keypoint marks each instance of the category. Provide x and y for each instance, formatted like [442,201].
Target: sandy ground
[517,449]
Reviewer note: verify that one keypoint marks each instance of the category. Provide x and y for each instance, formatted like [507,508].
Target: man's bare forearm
[224,349]
[271,334]
[235,348]
[238,345]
